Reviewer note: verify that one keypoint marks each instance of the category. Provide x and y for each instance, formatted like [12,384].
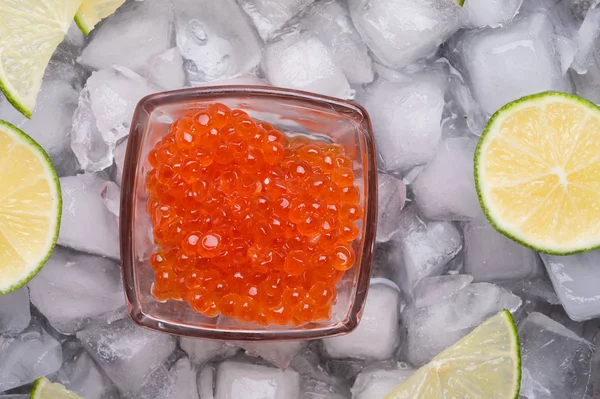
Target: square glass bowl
[345,123]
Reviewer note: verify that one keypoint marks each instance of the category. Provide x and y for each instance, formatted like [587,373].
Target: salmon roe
[250,223]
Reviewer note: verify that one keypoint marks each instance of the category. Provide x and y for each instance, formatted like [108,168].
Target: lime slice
[537,172]
[30,31]
[484,364]
[44,389]
[30,208]
[93,11]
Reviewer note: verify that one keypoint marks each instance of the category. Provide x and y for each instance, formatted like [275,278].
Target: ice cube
[28,356]
[82,376]
[431,290]
[431,329]
[270,15]
[588,84]
[104,114]
[406,119]
[201,351]
[575,281]
[400,32]
[244,381]
[581,7]
[15,314]
[244,80]
[114,94]
[391,198]
[504,64]
[206,382]
[86,141]
[425,247]
[131,36]
[303,62]
[378,383]
[178,382]
[330,22]
[278,353]
[216,40]
[111,196]
[165,70]
[556,362]
[445,189]
[74,290]
[378,334]
[82,201]
[493,13]
[128,354]
[491,257]
[50,124]
[119,155]
[586,39]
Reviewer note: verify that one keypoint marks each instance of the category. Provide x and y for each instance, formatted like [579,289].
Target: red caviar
[250,223]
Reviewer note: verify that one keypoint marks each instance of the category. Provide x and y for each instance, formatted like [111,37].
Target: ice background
[430,74]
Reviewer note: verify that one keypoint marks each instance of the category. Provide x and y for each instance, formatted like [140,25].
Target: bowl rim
[135,140]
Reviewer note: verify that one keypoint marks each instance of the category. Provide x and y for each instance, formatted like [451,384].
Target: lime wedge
[30,31]
[484,364]
[460,3]
[93,11]
[44,389]
[537,172]
[30,208]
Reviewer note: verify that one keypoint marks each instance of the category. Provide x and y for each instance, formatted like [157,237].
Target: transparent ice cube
[237,380]
[119,155]
[278,353]
[131,36]
[406,119]
[433,328]
[50,124]
[82,202]
[426,247]
[330,22]
[177,382]
[303,62]
[270,15]
[586,39]
[82,376]
[216,40]
[378,383]
[493,13]
[28,356]
[128,354]
[111,197]
[575,280]
[378,334]
[491,257]
[504,64]
[400,32]
[555,361]
[391,198]
[201,351]
[165,70]
[445,189]
[15,314]
[74,290]
[431,290]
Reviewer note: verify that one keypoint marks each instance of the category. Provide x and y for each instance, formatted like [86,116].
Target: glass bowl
[345,123]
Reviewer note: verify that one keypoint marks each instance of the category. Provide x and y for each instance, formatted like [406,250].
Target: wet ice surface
[575,280]
[14,312]
[545,342]
[429,87]
[74,290]
[128,354]
[82,201]
[215,39]
[303,62]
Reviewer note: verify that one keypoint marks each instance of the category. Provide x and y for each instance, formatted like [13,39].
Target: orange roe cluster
[250,224]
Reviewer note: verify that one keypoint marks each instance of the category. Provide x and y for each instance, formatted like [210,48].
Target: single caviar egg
[250,223]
